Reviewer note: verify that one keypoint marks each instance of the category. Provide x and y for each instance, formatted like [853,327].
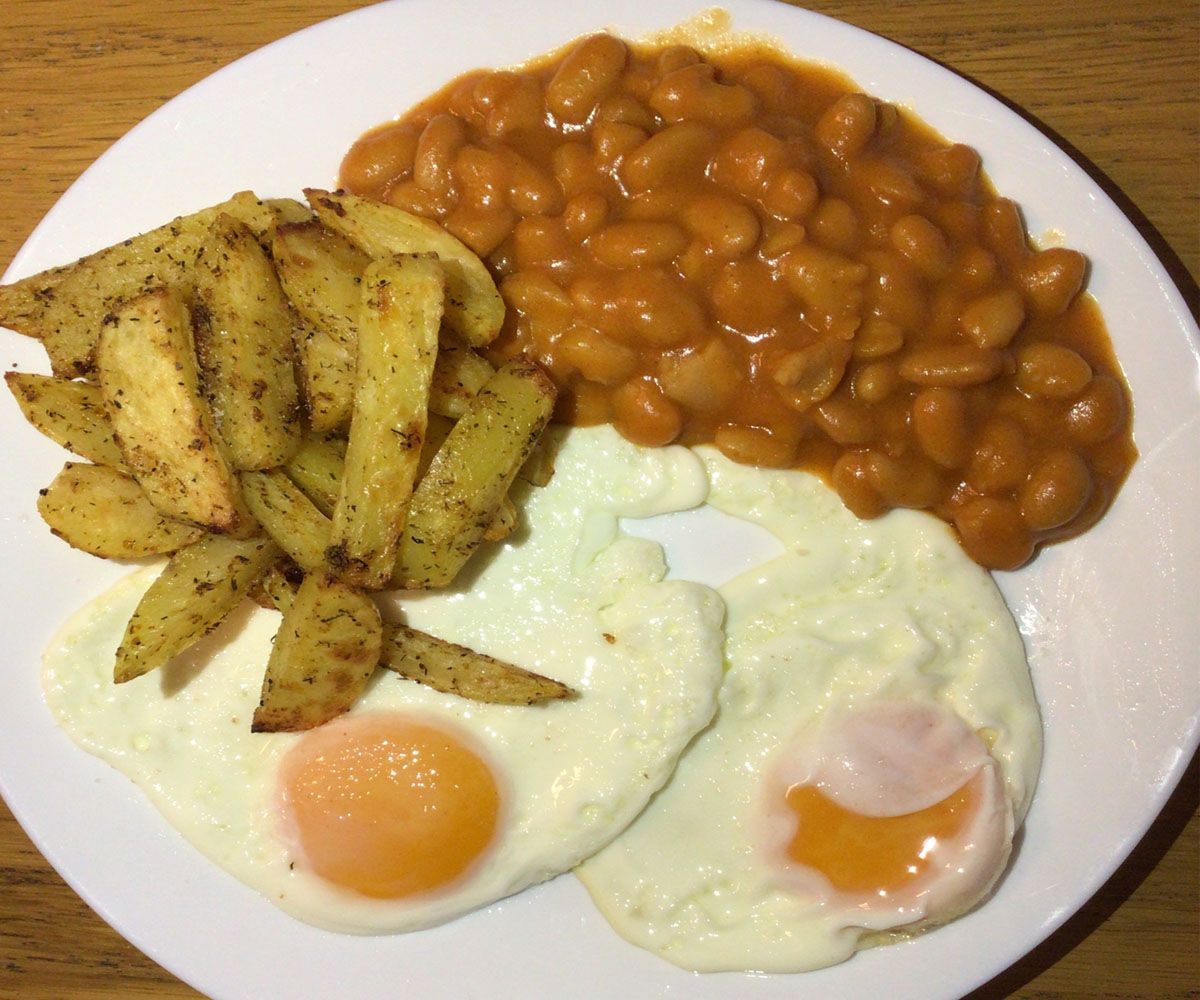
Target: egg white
[569,596]
[851,613]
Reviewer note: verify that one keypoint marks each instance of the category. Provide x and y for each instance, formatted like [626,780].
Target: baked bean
[584,215]
[835,225]
[542,243]
[922,243]
[828,285]
[847,125]
[1099,413]
[874,382]
[643,414]
[731,248]
[1051,279]
[952,365]
[889,183]
[846,421]
[586,405]
[625,109]
[993,320]
[658,205]
[877,338]
[482,229]
[693,94]
[726,225]
[761,446]
[1045,369]
[574,169]
[705,379]
[379,158]
[656,309]
[433,167]
[482,176]
[779,238]
[535,294]
[939,423]
[810,375]
[896,291]
[1004,231]
[637,244]
[771,85]
[698,264]
[747,295]
[993,533]
[587,73]
[999,459]
[789,194]
[612,140]
[521,109]
[596,357]
[1055,491]
[411,197]
[668,157]
[976,268]
[532,191]
[950,170]
[745,160]
[675,57]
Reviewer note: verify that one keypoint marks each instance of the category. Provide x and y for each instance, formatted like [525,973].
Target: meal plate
[1109,619]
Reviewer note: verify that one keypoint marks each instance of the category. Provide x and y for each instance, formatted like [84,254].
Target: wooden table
[1116,81]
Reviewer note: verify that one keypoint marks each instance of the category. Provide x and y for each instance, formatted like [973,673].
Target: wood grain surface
[1116,82]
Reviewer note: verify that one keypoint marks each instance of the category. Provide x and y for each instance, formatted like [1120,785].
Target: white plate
[1109,618]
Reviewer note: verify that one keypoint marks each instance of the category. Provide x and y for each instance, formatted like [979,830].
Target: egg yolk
[387,806]
[873,854]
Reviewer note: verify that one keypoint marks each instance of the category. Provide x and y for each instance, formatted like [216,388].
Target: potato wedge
[148,376]
[457,378]
[69,413]
[458,499]
[287,210]
[326,371]
[23,303]
[106,513]
[317,469]
[288,516]
[321,271]
[504,523]
[325,651]
[474,308]
[94,287]
[200,586]
[397,342]
[538,469]
[436,663]
[453,669]
[243,334]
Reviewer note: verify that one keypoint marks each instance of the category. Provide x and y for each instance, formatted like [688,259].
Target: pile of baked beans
[741,249]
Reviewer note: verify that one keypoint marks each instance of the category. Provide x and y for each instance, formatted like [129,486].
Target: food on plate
[398,323]
[733,247]
[243,337]
[458,499]
[105,512]
[197,415]
[876,747]
[146,364]
[65,307]
[326,650]
[644,655]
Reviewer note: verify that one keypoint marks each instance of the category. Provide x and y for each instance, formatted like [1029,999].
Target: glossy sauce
[741,249]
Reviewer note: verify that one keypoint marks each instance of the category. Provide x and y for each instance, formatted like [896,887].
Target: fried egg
[875,747]
[418,806]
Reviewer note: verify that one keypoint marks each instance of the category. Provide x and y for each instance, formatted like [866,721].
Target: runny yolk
[873,854]
[387,806]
